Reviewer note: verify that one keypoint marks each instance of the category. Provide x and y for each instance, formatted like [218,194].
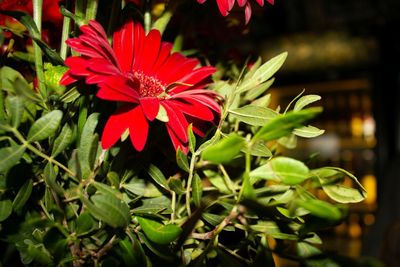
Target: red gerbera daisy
[141,72]
[225,6]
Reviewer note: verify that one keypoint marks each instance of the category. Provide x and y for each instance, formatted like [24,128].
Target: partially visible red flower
[140,72]
[225,6]
[136,2]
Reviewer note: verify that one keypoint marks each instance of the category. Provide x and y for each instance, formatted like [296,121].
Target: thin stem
[26,144]
[64,37]
[147,16]
[37,17]
[91,9]
[173,206]
[227,179]
[189,183]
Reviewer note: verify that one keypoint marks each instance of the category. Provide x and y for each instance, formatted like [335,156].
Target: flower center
[149,86]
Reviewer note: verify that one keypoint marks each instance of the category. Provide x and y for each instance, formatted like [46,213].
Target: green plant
[231,199]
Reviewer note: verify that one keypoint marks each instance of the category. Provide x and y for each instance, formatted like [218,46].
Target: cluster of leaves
[232,200]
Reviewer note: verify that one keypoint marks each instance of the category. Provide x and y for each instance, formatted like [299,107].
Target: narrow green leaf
[131,252]
[158,176]
[320,209]
[308,131]
[192,139]
[305,100]
[22,196]
[263,101]
[88,145]
[162,114]
[85,224]
[212,219]
[217,181]
[63,140]
[22,89]
[259,149]
[109,209]
[224,150]
[5,209]
[258,90]
[282,169]
[107,190]
[154,205]
[158,232]
[70,95]
[9,156]
[253,115]
[46,126]
[283,124]
[197,190]
[306,250]
[176,186]
[337,191]
[182,160]
[15,107]
[50,176]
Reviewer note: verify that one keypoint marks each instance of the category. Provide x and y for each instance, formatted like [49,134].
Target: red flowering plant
[132,151]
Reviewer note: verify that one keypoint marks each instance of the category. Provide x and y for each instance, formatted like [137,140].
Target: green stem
[26,144]
[37,17]
[91,9]
[147,16]
[189,183]
[64,37]
[173,206]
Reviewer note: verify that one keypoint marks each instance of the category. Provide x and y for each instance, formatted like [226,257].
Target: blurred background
[348,52]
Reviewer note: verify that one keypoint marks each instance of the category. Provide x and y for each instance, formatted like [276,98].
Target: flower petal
[138,128]
[247,13]
[122,39]
[150,50]
[194,109]
[151,106]
[177,120]
[115,126]
[176,142]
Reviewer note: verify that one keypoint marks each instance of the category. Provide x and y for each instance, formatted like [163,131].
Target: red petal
[247,13]
[67,79]
[103,66]
[77,66]
[193,77]
[184,69]
[138,128]
[261,2]
[170,66]
[139,37]
[162,57]
[241,3]
[115,126]
[150,50]
[176,142]
[195,109]
[177,120]
[123,45]
[271,2]
[120,86]
[150,106]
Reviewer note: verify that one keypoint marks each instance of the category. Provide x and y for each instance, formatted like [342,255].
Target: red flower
[225,6]
[141,73]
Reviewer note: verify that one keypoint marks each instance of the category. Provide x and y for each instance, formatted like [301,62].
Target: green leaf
[9,156]
[46,126]
[256,91]
[52,77]
[15,107]
[283,124]
[162,114]
[22,196]
[154,205]
[224,150]
[5,209]
[109,209]
[88,145]
[212,219]
[131,252]
[197,190]
[320,209]
[191,139]
[25,91]
[306,250]
[337,191]
[253,115]
[85,224]
[70,95]
[176,185]
[305,101]
[263,101]
[259,149]
[217,181]
[161,23]
[182,160]
[282,169]
[269,68]
[63,140]
[308,131]
[50,176]
[158,232]
[158,176]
